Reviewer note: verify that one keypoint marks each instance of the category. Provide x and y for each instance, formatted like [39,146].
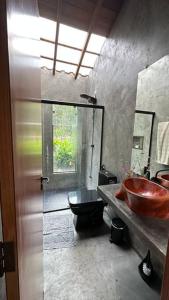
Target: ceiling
[78,13]
[92,16]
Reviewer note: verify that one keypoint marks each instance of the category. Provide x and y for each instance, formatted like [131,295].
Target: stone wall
[139,38]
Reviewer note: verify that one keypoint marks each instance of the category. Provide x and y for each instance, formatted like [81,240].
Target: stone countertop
[155,230]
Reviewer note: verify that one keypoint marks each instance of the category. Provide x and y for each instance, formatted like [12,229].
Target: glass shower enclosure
[72,149]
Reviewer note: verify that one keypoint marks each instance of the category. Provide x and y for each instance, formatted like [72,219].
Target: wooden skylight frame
[82,50]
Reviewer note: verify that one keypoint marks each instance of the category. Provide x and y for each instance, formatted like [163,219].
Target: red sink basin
[145,197]
[164,180]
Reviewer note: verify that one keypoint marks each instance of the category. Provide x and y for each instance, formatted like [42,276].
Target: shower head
[90,99]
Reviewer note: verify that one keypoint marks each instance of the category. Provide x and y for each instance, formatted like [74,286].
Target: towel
[163,143]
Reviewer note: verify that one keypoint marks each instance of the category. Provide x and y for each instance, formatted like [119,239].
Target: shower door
[71,151]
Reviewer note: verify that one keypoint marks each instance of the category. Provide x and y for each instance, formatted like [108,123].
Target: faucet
[164,170]
[155,178]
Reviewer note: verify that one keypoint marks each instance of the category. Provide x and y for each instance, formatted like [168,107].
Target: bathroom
[129,79]
[84,154]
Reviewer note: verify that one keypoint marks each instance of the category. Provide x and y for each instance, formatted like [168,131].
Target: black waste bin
[118,231]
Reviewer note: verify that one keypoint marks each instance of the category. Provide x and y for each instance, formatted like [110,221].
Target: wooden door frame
[6,156]
[165,285]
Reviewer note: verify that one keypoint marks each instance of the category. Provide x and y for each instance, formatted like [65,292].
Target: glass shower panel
[92,146]
[71,150]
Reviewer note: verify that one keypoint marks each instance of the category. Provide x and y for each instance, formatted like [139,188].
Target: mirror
[142,141]
[152,97]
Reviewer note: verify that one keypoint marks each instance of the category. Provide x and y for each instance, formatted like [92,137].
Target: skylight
[72,36]
[69,48]
[67,54]
[47,29]
[95,43]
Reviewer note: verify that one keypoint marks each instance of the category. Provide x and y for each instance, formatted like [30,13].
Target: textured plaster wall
[139,38]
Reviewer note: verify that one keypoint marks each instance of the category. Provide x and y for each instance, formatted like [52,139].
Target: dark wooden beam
[67,46]
[66,62]
[92,22]
[59,2]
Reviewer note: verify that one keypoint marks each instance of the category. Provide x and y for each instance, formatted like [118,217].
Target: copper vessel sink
[145,197]
[164,180]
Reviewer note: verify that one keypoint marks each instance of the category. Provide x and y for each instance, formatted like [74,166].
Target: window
[64,139]
[70,45]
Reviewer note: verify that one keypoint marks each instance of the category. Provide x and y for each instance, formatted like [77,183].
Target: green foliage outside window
[64,153]
[64,138]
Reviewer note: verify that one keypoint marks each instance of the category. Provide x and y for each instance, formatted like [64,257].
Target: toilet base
[87,221]
[87,208]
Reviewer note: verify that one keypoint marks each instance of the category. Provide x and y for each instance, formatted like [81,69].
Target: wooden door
[20,146]
[2,279]
[165,285]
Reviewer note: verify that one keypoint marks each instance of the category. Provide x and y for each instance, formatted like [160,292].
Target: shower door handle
[44,179]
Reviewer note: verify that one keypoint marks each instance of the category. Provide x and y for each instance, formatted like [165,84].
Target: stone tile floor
[94,269]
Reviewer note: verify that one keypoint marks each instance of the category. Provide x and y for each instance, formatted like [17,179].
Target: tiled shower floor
[94,269]
[54,200]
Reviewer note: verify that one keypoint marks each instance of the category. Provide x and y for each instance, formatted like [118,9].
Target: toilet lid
[83,197]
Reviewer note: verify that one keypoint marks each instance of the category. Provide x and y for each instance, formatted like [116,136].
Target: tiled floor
[94,269]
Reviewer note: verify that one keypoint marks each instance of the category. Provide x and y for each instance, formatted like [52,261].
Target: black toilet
[87,208]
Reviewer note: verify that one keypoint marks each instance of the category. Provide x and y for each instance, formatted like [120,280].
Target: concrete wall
[62,86]
[139,38]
